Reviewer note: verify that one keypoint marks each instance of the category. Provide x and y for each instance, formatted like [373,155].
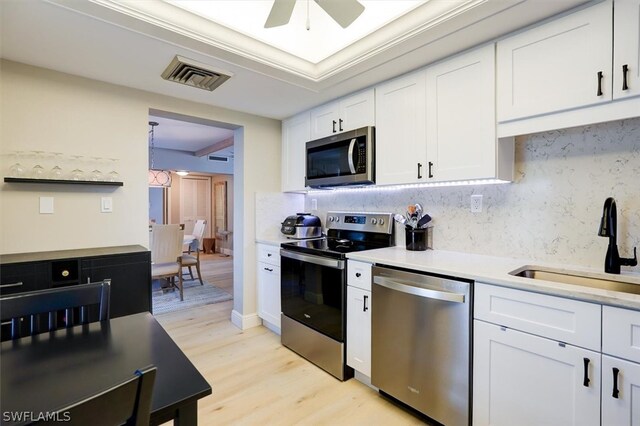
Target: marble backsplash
[271,209]
[552,210]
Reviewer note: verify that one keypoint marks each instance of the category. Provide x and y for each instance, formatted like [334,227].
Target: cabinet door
[462,90]
[324,120]
[401,144]
[295,135]
[269,293]
[556,66]
[359,330]
[520,379]
[621,407]
[626,49]
[357,111]
[130,277]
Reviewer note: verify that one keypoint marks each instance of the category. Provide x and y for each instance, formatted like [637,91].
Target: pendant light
[160,178]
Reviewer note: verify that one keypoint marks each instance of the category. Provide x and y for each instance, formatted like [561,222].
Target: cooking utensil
[400,219]
[424,220]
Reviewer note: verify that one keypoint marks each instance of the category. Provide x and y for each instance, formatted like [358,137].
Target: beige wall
[51,111]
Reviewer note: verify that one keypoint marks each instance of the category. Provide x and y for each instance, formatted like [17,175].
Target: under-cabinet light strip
[411,185]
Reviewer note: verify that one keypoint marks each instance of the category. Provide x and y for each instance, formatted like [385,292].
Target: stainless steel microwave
[347,158]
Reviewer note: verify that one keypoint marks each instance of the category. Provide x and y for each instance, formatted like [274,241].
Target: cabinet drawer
[21,277]
[269,254]
[621,333]
[359,274]
[557,318]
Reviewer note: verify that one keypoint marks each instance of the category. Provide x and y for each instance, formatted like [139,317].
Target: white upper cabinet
[461,121]
[626,50]
[295,135]
[401,145]
[348,113]
[560,65]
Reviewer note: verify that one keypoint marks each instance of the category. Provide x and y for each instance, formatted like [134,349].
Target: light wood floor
[257,381]
[217,270]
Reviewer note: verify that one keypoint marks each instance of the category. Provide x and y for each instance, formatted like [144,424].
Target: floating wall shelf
[61,181]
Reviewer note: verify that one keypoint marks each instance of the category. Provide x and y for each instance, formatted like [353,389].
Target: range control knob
[380,221]
[374,221]
[330,218]
[337,218]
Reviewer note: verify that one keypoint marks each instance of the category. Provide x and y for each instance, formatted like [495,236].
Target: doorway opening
[198,155]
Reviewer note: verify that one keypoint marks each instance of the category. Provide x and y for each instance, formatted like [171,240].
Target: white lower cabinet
[268,278]
[521,379]
[359,330]
[620,392]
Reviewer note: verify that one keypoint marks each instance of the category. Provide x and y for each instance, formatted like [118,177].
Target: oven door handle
[317,260]
[419,291]
[352,145]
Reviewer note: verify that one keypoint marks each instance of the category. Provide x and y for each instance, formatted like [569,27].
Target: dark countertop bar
[70,254]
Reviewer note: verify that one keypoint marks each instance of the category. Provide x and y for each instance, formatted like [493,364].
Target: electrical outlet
[314,204]
[476,203]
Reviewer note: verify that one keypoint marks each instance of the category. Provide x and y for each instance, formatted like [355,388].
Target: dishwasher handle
[419,291]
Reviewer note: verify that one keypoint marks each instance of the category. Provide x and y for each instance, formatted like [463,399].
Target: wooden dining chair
[35,312]
[127,403]
[166,250]
[187,259]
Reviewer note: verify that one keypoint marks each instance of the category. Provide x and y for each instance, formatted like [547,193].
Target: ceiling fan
[344,12]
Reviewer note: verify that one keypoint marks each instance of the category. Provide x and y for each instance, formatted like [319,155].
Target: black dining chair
[35,312]
[127,403]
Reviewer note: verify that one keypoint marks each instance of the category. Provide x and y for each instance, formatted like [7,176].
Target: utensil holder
[418,239]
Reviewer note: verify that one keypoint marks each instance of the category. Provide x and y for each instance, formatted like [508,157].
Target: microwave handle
[352,145]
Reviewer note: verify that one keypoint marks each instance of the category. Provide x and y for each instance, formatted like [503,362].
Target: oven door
[313,291]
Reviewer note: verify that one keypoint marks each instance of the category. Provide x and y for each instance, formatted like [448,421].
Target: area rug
[194,295]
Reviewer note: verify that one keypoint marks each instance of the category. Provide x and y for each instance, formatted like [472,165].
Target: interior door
[195,202]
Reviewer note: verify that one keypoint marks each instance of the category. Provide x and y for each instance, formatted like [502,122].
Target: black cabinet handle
[358,274]
[625,70]
[419,170]
[364,307]
[340,124]
[599,83]
[268,269]
[430,166]
[334,125]
[586,373]
[615,383]
[268,254]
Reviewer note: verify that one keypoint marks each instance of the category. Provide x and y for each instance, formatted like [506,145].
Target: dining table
[49,371]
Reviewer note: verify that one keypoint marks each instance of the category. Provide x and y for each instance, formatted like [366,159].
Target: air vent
[194,74]
[218,158]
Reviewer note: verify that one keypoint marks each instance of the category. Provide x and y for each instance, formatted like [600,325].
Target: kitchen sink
[622,283]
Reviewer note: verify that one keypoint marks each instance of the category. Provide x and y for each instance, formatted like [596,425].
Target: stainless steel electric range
[314,286]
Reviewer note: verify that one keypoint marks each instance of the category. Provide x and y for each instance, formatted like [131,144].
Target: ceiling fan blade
[344,12]
[280,13]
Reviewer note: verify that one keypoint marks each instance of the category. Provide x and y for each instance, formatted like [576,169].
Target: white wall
[51,111]
[550,213]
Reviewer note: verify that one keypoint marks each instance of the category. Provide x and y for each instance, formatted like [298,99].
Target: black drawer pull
[268,254]
[586,372]
[358,274]
[615,383]
[599,83]
[625,70]
[419,170]
[430,167]
[18,284]
[268,269]
[365,307]
[334,125]
[340,124]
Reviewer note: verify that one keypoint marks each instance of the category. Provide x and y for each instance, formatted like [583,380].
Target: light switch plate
[106,205]
[46,205]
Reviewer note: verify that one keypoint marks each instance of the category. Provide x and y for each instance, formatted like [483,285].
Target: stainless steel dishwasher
[421,342]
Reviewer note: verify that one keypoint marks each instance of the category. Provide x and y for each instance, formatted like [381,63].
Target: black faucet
[609,228]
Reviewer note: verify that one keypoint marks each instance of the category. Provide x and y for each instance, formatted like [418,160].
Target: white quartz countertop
[495,270]
[273,240]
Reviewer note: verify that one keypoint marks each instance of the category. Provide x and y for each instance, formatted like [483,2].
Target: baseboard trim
[244,322]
